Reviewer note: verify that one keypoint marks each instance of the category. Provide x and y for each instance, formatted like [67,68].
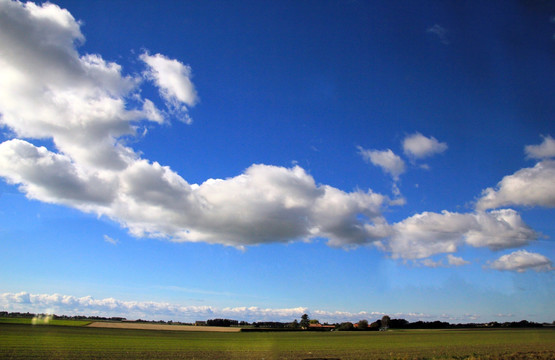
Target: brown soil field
[146,326]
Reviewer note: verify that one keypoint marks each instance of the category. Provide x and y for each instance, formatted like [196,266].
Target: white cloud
[499,229]
[545,150]
[110,240]
[419,146]
[505,315]
[521,261]
[451,261]
[431,263]
[108,307]
[386,160]
[440,32]
[174,82]
[264,204]
[83,105]
[151,112]
[456,260]
[428,233]
[84,109]
[80,99]
[528,187]
[52,177]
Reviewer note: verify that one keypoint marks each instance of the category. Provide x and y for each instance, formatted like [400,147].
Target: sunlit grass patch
[43,320]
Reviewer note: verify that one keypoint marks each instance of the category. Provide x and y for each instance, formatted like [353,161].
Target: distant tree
[305,321]
[398,323]
[313,321]
[270,324]
[295,324]
[346,326]
[222,322]
[376,325]
[385,321]
[362,325]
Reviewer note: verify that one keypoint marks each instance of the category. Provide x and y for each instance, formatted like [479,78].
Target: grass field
[19,341]
[150,326]
[43,321]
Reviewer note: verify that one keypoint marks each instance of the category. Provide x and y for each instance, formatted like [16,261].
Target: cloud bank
[86,107]
[149,310]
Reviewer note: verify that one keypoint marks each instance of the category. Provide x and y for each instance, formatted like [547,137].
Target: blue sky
[257,160]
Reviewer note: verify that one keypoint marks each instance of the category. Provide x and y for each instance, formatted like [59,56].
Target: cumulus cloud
[415,146]
[545,150]
[499,229]
[52,177]
[269,203]
[49,91]
[264,204]
[527,187]
[521,261]
[387,160]
[174,82]
[426,234]
[456,260]
[83,104]
[108,307]
[419,146]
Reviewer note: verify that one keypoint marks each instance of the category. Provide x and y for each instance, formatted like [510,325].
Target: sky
[257,160]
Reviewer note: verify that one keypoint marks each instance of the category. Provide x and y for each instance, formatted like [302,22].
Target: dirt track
[143,326]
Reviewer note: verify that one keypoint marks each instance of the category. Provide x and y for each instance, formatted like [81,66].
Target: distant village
[303,324]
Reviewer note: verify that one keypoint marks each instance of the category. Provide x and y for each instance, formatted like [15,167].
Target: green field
[19,341]
[30,321]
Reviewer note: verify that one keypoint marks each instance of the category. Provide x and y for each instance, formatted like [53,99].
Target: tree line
[306,323]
